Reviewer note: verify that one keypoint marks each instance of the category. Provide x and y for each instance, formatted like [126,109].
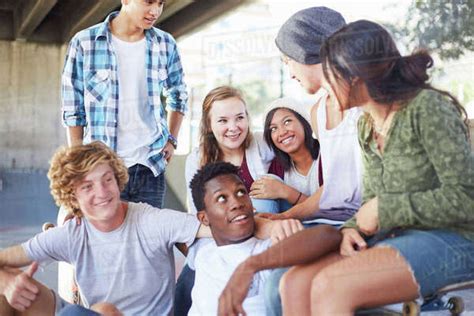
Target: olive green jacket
[425,178]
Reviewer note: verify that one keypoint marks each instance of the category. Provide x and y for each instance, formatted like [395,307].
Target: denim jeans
[77,310]
[272,292]
[182,295]
[438,258]
[266,206]
[144,187]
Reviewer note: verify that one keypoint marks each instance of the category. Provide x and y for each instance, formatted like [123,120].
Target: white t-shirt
[214,267]
[306,184]
[136,128]
[341,163]
[131,267]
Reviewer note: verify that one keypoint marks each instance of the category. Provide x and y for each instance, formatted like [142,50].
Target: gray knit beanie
[301,36]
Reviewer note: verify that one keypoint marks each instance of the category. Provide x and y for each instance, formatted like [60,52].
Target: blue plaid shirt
[90,87]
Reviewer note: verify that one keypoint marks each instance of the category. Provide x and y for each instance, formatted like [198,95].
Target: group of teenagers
[365,198]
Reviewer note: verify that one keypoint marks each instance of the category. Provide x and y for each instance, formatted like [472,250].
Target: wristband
[173,141]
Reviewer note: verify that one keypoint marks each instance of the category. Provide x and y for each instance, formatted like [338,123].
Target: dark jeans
[76,310]
[182,296]
[143,186]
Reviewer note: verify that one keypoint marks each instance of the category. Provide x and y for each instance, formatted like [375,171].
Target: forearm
[5,278]
[175,119]
[303,247]
[305,209]
[14,257]
[75,135]
[292,195]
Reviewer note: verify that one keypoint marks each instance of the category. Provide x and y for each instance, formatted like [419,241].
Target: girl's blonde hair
[70,165]
[209,148]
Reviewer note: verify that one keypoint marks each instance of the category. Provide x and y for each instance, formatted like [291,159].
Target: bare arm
[303,247]
[75,135]
[175,119]
[305,209]
[300,248]
[300,211]
[264,229]
[14,257]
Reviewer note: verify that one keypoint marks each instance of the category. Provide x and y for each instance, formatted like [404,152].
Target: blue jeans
[144,187]
[272,293]
[182,295]
[77,310]
[437,258]
[266,205]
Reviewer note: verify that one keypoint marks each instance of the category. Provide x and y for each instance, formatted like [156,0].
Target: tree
[443,27]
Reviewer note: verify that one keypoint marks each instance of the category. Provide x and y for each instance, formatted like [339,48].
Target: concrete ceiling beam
[29,15]
[81,20]
[8,5]
[172,7]
[196,15]
[6,25]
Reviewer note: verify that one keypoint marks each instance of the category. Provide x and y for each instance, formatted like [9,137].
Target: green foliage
[442,27]
[257,94]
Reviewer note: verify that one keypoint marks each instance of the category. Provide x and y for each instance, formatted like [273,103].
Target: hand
[284,228]
[367,217]
[20,291]
[352,242]
[235,292]
[267,188]
[271,216]
[168,151]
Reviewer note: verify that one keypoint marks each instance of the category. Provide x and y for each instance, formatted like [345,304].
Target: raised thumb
[32,269]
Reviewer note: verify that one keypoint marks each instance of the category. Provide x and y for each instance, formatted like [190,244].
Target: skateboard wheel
[456,305]
[411,309]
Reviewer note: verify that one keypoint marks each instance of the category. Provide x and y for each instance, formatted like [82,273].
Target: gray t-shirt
[131,267]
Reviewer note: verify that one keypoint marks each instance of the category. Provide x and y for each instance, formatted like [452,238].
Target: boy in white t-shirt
[225,206]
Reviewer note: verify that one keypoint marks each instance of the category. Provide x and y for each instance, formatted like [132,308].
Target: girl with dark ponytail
[416,223]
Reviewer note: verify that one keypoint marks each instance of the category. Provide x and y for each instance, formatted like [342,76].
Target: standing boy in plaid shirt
[113,78]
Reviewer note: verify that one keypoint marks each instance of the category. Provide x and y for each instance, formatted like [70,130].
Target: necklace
[382,129]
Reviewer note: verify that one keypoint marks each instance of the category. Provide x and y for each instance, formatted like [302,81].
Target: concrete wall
[30,117]
[25,198]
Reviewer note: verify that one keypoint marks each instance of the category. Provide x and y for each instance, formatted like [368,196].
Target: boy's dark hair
[204,175]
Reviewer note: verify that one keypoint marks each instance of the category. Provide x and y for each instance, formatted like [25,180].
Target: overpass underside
[54,21]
